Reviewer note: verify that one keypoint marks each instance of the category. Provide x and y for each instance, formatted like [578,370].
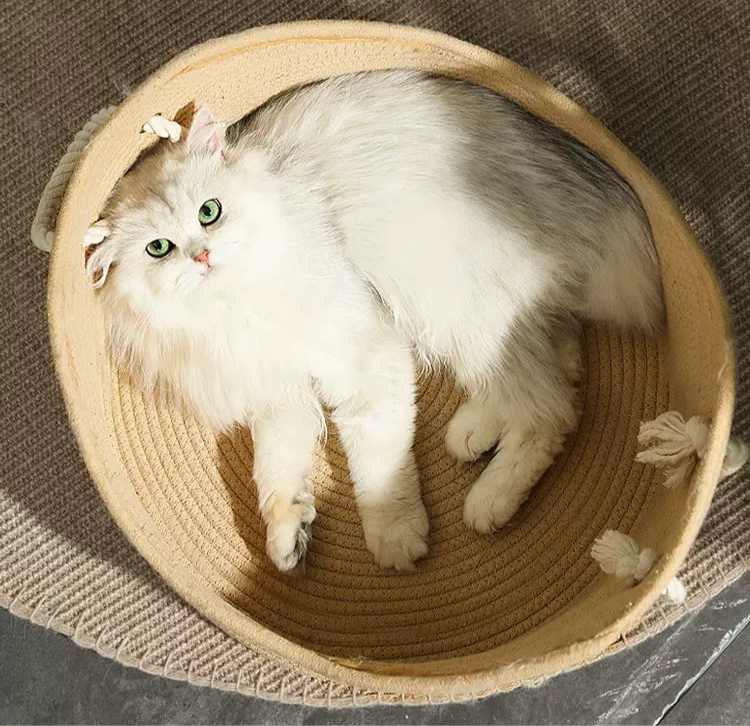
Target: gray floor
[694,673]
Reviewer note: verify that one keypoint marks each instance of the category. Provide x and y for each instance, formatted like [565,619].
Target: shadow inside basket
[472,592]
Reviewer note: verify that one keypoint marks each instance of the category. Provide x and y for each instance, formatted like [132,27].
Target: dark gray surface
[722,694]
[694,672]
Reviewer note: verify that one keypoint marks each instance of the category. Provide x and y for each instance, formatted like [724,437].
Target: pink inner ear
[204,133]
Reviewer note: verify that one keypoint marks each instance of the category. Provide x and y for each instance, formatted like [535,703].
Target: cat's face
[178,221]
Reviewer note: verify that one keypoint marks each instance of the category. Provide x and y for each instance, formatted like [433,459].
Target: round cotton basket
[479,614]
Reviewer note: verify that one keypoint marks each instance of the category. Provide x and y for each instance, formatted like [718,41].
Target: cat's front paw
[488,506]
[396,533]
[474,429]
[289,531]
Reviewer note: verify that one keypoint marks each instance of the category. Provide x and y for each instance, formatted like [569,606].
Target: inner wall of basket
[236,83]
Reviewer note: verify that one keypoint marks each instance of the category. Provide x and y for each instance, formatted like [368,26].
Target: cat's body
[362,219]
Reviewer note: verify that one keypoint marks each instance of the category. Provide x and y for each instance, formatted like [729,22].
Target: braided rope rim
[43,226]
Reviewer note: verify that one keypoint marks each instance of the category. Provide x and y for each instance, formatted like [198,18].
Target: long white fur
[366,219]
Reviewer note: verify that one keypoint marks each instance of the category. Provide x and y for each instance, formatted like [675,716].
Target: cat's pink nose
[202,257]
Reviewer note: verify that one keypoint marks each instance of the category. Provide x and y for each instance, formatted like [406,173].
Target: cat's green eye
[209,212]
[159,247]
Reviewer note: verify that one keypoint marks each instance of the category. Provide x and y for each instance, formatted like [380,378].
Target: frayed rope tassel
[676,445]
[163,127]
[618,554]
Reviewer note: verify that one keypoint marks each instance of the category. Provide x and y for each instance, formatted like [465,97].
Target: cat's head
[177,224]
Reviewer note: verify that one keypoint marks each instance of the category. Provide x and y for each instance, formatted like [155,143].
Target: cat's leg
[375,414]
[534,406]
[478,422]
[526,451]
[284,439]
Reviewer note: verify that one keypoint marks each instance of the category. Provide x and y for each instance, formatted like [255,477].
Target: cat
[308,256]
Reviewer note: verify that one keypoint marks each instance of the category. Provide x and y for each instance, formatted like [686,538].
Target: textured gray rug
[668,77]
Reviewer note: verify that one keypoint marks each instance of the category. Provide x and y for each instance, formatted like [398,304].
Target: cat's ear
[205,133]
[99,258]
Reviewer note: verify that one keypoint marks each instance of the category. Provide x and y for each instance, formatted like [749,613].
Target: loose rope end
[675,591]
[618,554]
[673,444]
[676,445]
[163,127]
[96,233]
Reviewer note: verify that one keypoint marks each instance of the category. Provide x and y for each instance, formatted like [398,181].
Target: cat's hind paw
[488,507]
[396,538]
[474,429]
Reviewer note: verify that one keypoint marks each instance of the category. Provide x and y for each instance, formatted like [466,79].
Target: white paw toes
[474,429]
[289,531]
[397,537]
[487,508]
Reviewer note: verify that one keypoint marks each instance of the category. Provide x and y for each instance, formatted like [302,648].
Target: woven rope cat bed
[480,614]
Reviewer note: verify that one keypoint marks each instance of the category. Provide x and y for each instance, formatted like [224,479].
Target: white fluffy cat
[302,257]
